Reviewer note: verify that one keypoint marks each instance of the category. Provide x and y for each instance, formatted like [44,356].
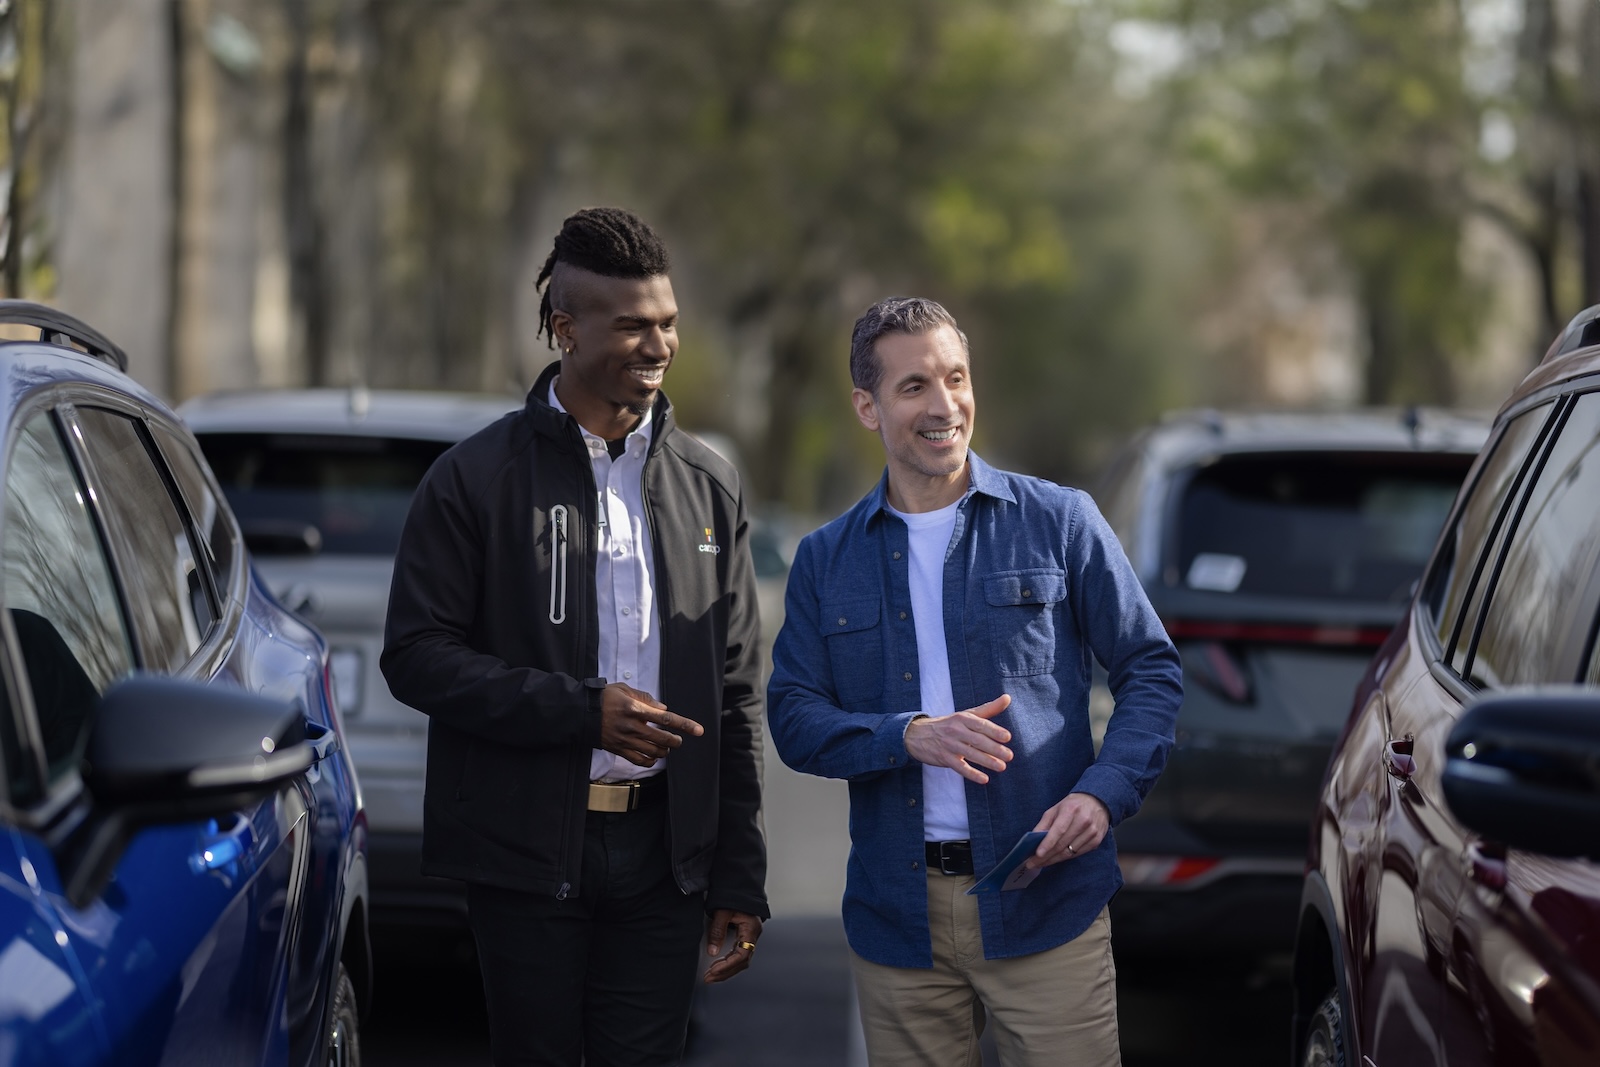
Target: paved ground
[795,1009]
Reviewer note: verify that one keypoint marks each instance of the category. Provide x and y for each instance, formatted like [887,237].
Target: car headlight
[345,665]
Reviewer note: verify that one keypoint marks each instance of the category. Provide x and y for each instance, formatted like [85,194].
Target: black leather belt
[627,796]
[950,857]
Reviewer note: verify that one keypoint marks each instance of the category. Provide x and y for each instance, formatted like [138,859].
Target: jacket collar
[981,478]
[562,428]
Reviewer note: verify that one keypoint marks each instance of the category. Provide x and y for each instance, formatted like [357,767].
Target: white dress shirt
[624,579]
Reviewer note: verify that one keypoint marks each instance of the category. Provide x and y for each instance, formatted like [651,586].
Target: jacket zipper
[558,615]
[558,566]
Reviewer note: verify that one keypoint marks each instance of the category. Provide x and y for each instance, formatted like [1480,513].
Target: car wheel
[1325,1036]
[344,1033]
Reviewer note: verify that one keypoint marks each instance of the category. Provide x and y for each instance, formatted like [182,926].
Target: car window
[1551,552]
[1456,571]
[60,594]
[22,778]
[353,491]
[172,611]
[206,510]
[1322,525]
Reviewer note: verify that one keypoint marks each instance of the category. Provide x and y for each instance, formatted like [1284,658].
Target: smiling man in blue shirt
[936,654]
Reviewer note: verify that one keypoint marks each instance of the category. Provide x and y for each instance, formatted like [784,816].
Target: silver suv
[321,481]
[1279,549]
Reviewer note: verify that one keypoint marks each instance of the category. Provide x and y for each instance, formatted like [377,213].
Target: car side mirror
[169,750]
[1523,768]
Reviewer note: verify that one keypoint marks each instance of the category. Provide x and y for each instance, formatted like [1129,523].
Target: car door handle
[324,741]
[219,849]
[1397,759]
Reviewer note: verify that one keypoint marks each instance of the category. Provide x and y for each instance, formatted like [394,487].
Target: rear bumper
[1242,915]
[401,894]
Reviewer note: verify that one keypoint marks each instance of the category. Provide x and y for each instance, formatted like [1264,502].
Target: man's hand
[744,930]
[966,742]
[1076,825]
[638,727]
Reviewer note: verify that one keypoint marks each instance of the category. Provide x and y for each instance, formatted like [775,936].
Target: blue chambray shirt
[1035,583]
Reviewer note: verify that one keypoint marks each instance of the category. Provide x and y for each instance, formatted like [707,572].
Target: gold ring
[748,946]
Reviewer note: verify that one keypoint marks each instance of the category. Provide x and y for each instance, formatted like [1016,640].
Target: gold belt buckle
[613,796]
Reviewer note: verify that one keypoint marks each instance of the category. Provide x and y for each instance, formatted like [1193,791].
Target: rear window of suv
[1315,525]
[353,492]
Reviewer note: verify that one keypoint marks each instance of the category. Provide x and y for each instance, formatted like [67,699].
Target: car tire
[1324,1045]
[344,1025]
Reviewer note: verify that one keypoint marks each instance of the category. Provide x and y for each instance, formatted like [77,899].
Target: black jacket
[492,633]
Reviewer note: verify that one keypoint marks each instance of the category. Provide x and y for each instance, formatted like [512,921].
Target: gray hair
[896,314]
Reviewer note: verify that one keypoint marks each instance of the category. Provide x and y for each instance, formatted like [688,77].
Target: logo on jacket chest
[710,544]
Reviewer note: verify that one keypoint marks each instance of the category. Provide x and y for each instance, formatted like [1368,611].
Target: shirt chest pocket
[852,631]
[1022,619]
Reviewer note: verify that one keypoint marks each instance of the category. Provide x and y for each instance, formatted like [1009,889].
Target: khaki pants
[1052,1009]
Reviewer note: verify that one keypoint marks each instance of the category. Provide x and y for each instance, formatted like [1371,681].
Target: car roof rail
[1208,419]
[1581,332]
[54,324]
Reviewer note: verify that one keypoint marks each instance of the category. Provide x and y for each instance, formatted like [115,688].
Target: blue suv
[182,842]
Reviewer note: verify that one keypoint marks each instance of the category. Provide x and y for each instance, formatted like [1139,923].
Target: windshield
[1332,526]
[353,491]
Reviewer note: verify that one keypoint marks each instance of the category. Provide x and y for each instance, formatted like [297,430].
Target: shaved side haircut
[609,241]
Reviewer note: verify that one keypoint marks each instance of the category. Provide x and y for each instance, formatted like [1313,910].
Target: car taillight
[346,666]
[1164,870]
[1277,633]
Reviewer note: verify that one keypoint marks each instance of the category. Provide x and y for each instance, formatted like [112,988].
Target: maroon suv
[1451,909]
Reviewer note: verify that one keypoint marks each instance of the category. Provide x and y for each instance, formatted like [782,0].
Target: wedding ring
[1072,850]
[748,946]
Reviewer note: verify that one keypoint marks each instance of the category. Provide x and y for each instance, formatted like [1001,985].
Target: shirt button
[915,865]
[842,620]
[897,555]
[1027,592]
[902,615]
[893,760]
[627,611]
[908,676]
[627,674]
[911,802]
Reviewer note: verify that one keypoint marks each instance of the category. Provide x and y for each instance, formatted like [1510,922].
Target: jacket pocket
[1023,606]
[851,629]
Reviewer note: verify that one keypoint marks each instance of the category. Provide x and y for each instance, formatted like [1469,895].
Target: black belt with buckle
[950,857]
[626,796]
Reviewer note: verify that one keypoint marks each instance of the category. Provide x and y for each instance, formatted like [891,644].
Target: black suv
[1451,911]
[1279,549]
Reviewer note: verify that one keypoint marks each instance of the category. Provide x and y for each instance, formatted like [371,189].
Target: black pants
[604,979]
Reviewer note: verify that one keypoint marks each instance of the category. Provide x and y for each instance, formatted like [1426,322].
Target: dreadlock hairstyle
[609,241]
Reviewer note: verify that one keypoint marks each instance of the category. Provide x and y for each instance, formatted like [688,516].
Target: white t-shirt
[944,792]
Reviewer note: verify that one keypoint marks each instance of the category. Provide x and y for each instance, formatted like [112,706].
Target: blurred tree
[804,157]
[1358,114]
[27,36]
[1544,131]
[815,155]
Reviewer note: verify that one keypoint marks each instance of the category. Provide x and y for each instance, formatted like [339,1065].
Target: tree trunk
[307,291]
[218,170]
[115,226]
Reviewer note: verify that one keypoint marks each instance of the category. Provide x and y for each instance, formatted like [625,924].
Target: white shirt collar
[641,431]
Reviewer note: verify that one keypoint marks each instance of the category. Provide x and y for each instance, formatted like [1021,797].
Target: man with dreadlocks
[574,608]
